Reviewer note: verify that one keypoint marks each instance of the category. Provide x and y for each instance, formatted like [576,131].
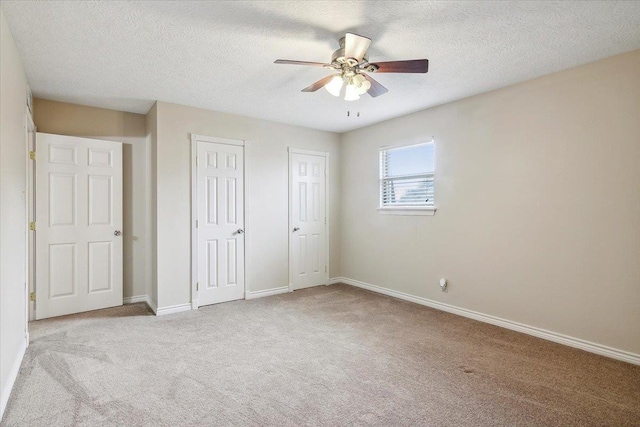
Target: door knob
[296,229]
[117,233]
[240,231]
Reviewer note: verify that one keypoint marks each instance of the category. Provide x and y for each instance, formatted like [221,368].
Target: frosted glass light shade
[334,87]
[364,87]
[358,79]
[362,84]
[351,93]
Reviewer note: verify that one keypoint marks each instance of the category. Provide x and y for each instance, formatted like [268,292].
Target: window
[406,179]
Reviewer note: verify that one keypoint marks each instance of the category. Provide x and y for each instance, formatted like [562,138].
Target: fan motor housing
[338,57]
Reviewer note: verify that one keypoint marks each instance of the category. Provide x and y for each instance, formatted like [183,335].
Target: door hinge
[197,286]
[32,155]
[196,223]
[32,296]
[325,220]
[32,226]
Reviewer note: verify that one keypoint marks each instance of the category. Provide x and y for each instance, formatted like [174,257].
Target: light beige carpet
[327,356]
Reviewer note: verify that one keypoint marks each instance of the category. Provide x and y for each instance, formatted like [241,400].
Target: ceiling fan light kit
[334,87]
[350,93]
[351,62]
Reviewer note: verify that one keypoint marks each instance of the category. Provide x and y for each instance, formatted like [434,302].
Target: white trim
[140,298]
[13,374]
[203,138]
[407,144]
[152,305]
[326,155]
[581,344]
[267,292]
[335,280]
[245,177]
[327,226]
[172,309]
[31,216]
[134,300]
[195,138]
[194,216]
[307,152]
[407,211]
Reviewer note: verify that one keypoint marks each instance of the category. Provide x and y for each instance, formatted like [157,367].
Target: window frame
[406,209]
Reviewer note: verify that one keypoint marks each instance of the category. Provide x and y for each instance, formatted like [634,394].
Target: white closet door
[220,227]
[78,224]
[308,220]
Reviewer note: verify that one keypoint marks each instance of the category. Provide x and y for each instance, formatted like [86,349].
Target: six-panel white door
[308,253]
[220,222]
[78,224]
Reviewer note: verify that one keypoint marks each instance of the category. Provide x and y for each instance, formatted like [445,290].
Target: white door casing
[308,219]
[78,224]
[31,213]
[220,238]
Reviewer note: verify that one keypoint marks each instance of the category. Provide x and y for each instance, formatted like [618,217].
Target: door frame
[326,156]
[195,138]
[30,202]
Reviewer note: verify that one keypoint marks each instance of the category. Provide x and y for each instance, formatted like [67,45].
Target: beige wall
[13,215]
[538,197]
[266,199]
[128,128]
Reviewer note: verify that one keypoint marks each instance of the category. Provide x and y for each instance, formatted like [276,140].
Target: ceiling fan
[351,62]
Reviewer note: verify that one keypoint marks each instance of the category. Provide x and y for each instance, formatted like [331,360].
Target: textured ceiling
[219,55]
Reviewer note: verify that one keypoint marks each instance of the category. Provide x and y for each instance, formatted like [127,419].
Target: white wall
[13,215]
[266,201]
[78,120]
[538,197]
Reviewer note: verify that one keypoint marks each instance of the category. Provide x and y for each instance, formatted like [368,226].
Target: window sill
[407,211]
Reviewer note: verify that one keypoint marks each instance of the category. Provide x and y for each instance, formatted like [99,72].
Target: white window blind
[406,176]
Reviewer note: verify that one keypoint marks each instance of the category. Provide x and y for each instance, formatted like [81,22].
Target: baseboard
[334,280]
[13,374]
[591,347]
[134,300]
[141,298]
[267,292]
[172,309]
[152,305]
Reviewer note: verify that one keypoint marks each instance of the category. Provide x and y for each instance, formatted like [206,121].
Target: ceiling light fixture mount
[351,62]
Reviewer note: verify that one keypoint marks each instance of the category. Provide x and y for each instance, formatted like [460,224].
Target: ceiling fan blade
[376,88]
[317,85]
[412,66]
[287,61]
[355,46]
